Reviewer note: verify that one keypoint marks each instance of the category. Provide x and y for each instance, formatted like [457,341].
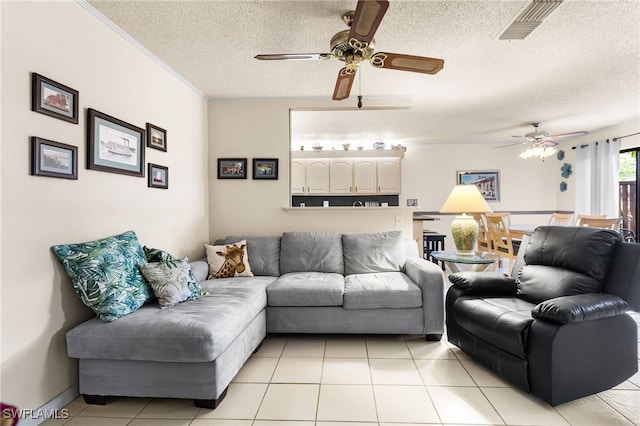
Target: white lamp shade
[465,199]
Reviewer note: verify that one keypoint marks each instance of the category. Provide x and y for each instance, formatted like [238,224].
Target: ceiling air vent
[527,21]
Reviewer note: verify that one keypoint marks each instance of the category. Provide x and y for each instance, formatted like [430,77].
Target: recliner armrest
[487,283]
[580,308]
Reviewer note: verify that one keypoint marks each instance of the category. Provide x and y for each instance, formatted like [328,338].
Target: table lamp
[464,228]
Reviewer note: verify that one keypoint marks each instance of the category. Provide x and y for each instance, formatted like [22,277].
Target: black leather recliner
[557,327]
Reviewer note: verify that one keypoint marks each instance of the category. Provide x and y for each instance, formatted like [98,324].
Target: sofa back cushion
[565,261]
[373,252]
[311,252]
[264,254]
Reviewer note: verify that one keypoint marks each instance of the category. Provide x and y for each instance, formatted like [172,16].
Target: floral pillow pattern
[105,274]
[172,281]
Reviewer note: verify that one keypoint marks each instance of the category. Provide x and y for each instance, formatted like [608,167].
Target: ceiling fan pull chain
[360,89]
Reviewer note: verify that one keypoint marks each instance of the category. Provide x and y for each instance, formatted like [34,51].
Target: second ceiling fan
[356,45]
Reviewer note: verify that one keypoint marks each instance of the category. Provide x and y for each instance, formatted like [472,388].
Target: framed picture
[156,137]
[158,176]
[232,168]
[487,181]
[265,168]
[53,159]
[53,99]
[113,145]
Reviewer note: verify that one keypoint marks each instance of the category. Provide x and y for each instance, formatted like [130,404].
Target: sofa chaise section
[192,350]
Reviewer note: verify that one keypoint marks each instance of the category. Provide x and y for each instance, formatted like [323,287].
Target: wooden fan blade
[343,84]
[366,20]
[293,56]
[396,61]
[567,135]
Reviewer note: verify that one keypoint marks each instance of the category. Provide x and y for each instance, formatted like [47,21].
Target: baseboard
[50,410]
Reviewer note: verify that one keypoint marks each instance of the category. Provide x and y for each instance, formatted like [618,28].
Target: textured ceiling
[579,70]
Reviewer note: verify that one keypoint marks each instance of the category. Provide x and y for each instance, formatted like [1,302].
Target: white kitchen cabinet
[298,180]
[389,174]
[341,176]
[317,176]
[346,172]
[364,176]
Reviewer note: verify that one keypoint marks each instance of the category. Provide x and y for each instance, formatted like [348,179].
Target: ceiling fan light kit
[537,150]
[356,45]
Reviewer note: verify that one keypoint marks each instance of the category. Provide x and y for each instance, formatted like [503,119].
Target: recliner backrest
[564,261]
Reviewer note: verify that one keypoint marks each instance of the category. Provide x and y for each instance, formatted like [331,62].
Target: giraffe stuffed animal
[233,261]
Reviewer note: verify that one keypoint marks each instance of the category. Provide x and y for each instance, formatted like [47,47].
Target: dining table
[518,231]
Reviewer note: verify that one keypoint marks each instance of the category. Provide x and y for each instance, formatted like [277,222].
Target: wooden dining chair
[484,242]
[613,224]
[501,242]
[560,219]
[582,217]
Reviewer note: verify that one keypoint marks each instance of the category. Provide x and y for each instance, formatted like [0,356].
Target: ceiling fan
[543,138]
[541,143]
[356,45]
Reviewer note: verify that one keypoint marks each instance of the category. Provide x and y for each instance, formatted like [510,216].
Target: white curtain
[597,186]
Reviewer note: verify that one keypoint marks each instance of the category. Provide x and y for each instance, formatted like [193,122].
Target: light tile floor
[300,380]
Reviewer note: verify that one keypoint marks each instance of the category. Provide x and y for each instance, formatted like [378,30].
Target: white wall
[260,128]
[64,42]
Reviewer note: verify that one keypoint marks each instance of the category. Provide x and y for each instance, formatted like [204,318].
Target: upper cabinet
[335,173]
[341,176]
[365,176]
[317,176]
[389,175]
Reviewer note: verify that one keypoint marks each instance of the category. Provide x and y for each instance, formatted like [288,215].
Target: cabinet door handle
[379,188]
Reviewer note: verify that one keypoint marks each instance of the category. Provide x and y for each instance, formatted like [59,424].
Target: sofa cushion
[381,290]
[228,260]
[105,274]
[537,283]
[373,252]
[264,254]
[198,331]
[501,322]
[172,281]
[306,289]
[311,252]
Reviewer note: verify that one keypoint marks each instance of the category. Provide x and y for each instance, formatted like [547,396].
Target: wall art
[487,181]
[156,137]
[53,159]
[113,145]
[265,168]
[54,99]
[232,168]
[158,176]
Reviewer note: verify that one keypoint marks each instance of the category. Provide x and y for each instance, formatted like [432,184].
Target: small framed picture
[265,168]
[53,159]
[232,168]
[114,146]
[53,99]
[412,202]
[156,137]
[487,181]
[158,176]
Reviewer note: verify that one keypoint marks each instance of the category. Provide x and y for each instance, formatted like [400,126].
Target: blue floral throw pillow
[105,274]
[172,281]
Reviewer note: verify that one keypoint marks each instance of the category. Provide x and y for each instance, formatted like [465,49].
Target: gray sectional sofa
[304,282]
